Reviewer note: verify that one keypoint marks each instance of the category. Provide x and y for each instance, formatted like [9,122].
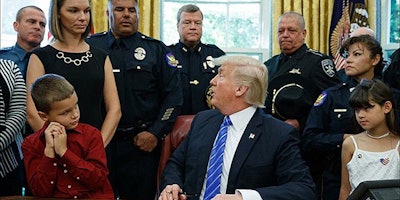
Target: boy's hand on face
[49,137]
[56,140]
[60,140]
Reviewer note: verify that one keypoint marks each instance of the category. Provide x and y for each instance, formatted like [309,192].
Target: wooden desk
[17,197]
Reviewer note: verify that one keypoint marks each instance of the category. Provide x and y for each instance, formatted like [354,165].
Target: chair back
[172,140]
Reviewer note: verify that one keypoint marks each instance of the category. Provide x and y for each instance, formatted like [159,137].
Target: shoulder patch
[321,99]
[315,52]
[328,67]
[170,59]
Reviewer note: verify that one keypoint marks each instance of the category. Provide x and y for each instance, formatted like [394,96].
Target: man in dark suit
[261,157]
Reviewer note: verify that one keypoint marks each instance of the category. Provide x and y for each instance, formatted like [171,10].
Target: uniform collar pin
[251,136]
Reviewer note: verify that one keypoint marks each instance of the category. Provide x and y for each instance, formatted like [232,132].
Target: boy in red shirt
[65,158]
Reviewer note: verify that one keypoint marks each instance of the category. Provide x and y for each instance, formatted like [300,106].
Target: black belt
[127,133]
[127,129]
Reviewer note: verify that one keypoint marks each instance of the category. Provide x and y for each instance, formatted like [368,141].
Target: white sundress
[368,166]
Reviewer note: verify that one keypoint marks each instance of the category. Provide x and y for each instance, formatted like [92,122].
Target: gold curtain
[100,22]
[371,9]
[149,17]
[317,15]
[149,22]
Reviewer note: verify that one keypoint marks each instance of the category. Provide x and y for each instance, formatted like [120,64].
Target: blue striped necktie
[214,172]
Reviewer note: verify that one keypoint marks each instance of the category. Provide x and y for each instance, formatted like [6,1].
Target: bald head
[363,31]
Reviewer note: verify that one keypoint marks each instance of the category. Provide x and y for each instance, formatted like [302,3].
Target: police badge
[139,53]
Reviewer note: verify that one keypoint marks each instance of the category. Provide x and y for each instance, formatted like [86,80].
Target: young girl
[374,153]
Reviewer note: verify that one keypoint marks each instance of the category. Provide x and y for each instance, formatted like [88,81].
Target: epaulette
[6,49]
[145,37]
[315,52]
[98,34]
[338,86]
[211,45]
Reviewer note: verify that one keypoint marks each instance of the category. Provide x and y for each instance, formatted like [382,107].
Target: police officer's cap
[292,96]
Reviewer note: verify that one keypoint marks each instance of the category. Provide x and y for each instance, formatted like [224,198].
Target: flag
[347,16]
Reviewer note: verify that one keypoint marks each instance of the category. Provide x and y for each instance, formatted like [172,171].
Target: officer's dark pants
[332,179]
[133,173]
[331,186]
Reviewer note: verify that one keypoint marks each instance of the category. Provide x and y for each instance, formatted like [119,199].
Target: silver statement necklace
[77,62]
[377,137]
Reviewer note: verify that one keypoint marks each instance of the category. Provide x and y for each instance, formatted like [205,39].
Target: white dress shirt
[235,132]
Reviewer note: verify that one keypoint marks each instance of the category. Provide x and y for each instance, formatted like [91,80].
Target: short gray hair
[190,8]
[296,15]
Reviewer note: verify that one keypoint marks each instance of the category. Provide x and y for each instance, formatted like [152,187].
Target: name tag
[340,110]
[116,70]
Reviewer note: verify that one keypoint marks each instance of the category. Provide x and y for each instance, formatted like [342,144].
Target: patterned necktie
[213,181]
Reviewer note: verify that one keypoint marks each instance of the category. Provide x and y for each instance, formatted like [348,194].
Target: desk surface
[26,198]
[17,197]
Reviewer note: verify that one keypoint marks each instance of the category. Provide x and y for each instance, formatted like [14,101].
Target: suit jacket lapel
[249,138]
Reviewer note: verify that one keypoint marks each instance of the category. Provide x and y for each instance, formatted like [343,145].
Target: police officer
[330,119]
[150,92]
[195,59]
[30,26]
[296,58]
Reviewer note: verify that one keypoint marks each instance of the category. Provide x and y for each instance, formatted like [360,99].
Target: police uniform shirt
[311,64]
[148,83]
[197,69]
[17,54]
[329,119]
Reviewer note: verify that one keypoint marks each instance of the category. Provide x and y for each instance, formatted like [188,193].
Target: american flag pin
[384,161]
[251,136]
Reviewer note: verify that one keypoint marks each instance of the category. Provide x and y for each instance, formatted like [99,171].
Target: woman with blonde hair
[87,68]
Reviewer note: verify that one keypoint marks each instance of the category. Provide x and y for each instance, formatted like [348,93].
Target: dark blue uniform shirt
[197,69]
[148,82]
[329,119]
[314,66]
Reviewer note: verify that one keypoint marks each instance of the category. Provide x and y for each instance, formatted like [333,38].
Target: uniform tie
[214,172]
[284,59]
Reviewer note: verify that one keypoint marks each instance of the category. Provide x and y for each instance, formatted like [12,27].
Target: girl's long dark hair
[376,91]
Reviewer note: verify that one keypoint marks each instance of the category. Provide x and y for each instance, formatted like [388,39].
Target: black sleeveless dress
[85,71]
